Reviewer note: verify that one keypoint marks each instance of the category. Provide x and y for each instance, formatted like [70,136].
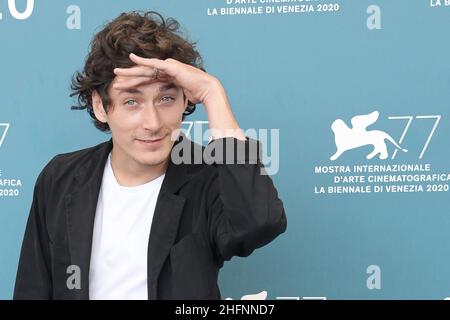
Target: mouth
[150,142]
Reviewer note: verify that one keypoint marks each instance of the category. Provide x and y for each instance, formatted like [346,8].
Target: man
[127,219]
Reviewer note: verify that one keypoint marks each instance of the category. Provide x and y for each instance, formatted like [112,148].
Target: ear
[97,105]
[185,100]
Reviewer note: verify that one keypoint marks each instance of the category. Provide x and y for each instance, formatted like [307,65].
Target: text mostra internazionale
[394,172]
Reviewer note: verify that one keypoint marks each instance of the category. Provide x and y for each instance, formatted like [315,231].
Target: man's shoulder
[63,163]
[80,154]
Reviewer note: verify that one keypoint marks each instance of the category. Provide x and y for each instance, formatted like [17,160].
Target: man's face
[142,119]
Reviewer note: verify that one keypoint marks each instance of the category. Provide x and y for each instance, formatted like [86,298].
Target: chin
[151,155]
[153,160]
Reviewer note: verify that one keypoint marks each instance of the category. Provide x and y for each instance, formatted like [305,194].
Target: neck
[131,173]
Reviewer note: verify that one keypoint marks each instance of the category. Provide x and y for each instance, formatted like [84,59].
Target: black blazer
[205,214]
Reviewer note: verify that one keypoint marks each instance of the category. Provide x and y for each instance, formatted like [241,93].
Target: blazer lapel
[166,219]
[81,205]
[162,236]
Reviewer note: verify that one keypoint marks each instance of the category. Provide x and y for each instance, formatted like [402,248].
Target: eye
[130,102]
[167,99]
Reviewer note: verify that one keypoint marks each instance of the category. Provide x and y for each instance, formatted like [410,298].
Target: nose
[151,118]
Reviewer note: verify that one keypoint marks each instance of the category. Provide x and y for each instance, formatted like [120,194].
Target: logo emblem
[350,138]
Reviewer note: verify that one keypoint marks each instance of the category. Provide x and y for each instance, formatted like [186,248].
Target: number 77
[2,137]
[405,130]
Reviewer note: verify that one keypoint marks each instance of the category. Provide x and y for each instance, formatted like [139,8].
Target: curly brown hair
[146,34]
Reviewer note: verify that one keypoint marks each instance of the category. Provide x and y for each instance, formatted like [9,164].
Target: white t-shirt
[123,218]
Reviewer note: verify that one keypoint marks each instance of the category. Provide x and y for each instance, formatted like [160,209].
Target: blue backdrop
[357,228]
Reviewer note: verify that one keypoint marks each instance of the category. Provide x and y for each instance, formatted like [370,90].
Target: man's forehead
[161,87]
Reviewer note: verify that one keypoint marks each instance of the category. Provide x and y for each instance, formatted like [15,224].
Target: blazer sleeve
[33,280]
[245,212]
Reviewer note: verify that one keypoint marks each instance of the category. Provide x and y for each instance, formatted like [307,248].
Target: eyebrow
[162,88]
[130,90]
[167,86]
